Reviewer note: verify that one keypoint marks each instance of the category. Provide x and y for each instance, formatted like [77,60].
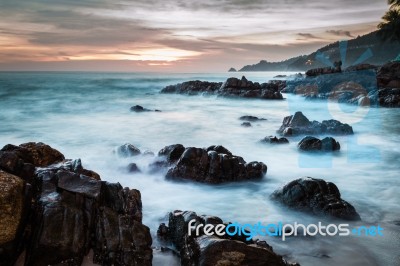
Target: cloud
[307,35]
[340,33]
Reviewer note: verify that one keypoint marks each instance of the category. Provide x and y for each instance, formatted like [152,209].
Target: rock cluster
[315,196]
[231,87]
[214,250]
[57,211]
[275,140]
[298,124]
[314,144]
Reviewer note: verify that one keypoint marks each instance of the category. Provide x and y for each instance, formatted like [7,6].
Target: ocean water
[86,115]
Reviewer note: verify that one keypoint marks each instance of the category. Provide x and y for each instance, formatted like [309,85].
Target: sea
[87,115]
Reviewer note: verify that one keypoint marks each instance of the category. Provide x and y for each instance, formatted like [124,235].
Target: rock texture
[250,118]
[315,196]
[275,140]
[127,150]
[298,124]
[206,250]
[216,164]
[314,144]
[71,212]
[231,87]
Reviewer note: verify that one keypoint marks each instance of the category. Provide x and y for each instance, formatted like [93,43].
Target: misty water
[86,115]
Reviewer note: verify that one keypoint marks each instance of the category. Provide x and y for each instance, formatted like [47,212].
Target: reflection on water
[85,115]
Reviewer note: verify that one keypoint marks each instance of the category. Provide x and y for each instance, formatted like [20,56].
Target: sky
[173,36]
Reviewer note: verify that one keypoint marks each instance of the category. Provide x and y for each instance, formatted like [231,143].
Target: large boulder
[388,75]
[314,144]
[213,165]
[14,207]
[205,250]
[127,150]
[299,124]
[315,196]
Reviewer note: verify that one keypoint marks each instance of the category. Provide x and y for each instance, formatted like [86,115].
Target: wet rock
[127,150]
[14,207]
[214,165]
[214,250]
[325,70]
[246,124]
[133,168]
[314,144]
[275,140]
[298,124]
[172,152]
[250,118]
[148,153]
[315,196]
[139,109]
[232,87]
[389,97]
[42,154]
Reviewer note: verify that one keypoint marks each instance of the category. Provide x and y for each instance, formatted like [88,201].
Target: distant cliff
[363,49]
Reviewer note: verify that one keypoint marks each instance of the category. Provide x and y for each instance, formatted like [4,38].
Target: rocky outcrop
[140,109]
[325,70]
[127,150]
[214,165]
[250,118]
[388,75]
[205,250]
[298,124]
[246,124]
[275,140]
[232,69]
[72,211]
[314,144]
[315,196]
[232,87]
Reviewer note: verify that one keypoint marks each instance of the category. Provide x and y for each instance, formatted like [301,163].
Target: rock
[275,140]
[232,69]
[214,165]
[298,124]
[246,124]
[250,118]
[172,152]
[42,154]
[127,150]
[148,153]
[133,168]
[389,97]
[388,75]
[361,67]
[139,109]
[14,207]
[315,196]
[280,76]
[232,87]
[214,250]
[325,70]
[314,144]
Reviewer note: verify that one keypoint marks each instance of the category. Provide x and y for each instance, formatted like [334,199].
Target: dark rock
[280,76]
[232,87]
[275,140]
[148,153]
[172,152]
[232,69]
[127,150]
[133,168]
[246,124]
[388,75]
[139,109]
[314,144]
[388,97]
[42,154]
[214,165]
[315,196]
[325,70]
[214,250]
[251,118]
[298,124]
[361,67]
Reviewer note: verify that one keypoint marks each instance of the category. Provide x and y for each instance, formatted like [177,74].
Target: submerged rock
[275,140]
[214,165]
[133,168]
[214,250]
[246,124]
[140,109]
[314,144]
[298,124]
[315,196]
[231,87]
[250,118]
[127,150]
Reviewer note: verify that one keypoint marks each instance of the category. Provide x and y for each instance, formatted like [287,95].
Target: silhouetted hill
[363,49]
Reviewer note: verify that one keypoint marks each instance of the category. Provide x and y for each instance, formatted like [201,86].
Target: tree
[389,28]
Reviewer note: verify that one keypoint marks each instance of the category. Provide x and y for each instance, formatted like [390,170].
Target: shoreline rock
[314,144]
[275,140]
[298,124]
[315,196]
[141,109]
[232,87]
[214,250]
[250,118]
